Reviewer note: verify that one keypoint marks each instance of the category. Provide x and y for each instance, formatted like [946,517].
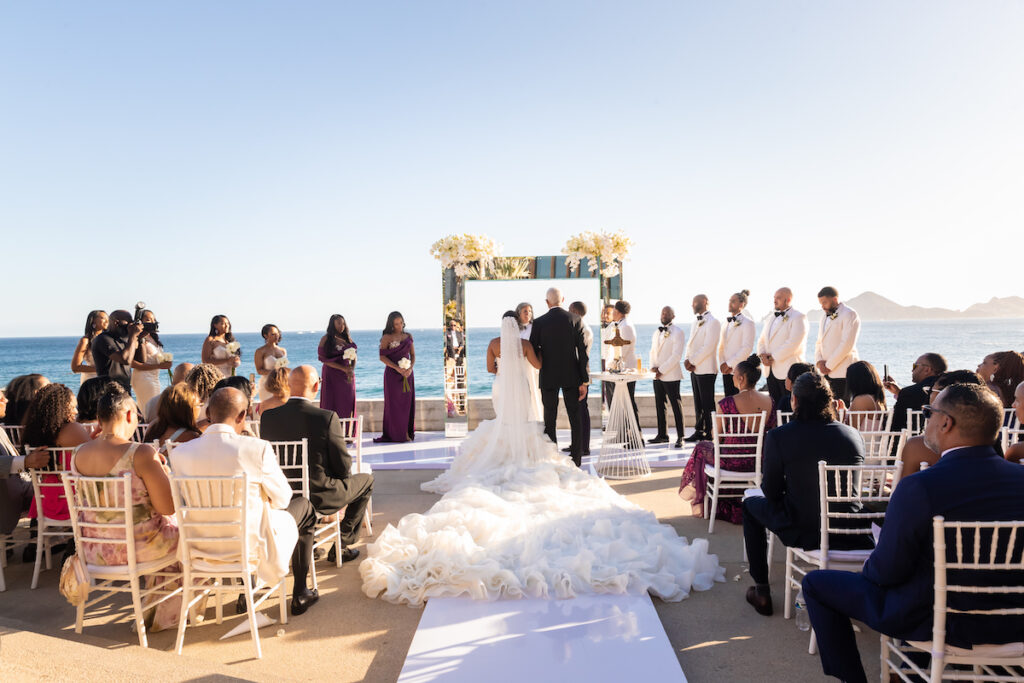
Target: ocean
[964,344]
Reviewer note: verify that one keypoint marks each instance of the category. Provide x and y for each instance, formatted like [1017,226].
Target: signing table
[622,447]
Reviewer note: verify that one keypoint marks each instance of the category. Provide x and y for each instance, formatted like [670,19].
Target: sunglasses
[928,411]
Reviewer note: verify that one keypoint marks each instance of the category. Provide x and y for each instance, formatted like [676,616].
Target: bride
[519,519]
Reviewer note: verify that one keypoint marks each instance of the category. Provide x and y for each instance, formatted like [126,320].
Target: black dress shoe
[760,600]
[567,450]
[659,439]
[303,601]
[349,554]
[679,443]
[585,453]
[693,438]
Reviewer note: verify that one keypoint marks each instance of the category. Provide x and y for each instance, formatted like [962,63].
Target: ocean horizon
[964,343]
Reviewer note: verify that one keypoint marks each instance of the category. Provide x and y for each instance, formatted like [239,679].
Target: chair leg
[337,542]
[219,603]
[367,516]
[812,647]
[186,598]
[251,611]
[787,610]
[771,553]
[283,591]
[140,622]
[312,573]
[39,556]
[709,510]
[884,663]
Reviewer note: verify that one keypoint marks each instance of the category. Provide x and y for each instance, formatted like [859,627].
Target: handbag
[74,580]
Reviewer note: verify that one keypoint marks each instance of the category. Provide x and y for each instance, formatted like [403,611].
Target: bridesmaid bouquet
[281,362]
[166,358]
[405,364]
[235,349]
[349,355]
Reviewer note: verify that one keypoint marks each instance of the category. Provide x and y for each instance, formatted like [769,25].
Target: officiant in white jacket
[737,341]
[836,347]
[223,452]
[627,332]
[783,342]
[666,352]
[702,362]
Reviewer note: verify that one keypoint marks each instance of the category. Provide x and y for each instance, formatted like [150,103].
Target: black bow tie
[700,316]
[779,313]
[662,329]
[731,319]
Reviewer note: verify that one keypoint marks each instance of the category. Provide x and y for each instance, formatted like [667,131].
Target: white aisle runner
[588,638]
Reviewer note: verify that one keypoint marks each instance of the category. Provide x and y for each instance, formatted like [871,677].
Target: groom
[557,337]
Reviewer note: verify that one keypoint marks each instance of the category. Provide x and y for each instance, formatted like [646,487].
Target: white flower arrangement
[405,363]
[458,251]
[164,357]
[602,249]
[233,348]
[281,362]
[349,355]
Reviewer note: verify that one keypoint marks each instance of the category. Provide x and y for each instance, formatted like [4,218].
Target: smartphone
[885,373]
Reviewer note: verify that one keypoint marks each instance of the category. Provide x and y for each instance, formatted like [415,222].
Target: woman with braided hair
[1003,370]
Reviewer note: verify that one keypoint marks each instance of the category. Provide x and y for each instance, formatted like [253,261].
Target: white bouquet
[602,250]
[405,364]
[233,348]
[164,357]
[458,251]
[281,362]
[350,355]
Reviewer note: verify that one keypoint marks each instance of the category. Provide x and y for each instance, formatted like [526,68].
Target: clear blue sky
[284,161]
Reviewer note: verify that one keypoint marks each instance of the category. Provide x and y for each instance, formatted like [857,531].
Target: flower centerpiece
[604,251]
[405,364]
[458,251]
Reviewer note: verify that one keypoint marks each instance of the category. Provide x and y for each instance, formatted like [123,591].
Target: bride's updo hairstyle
[113,402]
[750,369]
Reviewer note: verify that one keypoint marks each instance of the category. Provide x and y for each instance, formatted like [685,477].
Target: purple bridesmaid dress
[338,392]
[399,403]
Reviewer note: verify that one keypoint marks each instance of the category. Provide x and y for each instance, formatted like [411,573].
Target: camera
[140,306]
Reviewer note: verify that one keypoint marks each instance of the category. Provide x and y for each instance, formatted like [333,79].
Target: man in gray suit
[15,492]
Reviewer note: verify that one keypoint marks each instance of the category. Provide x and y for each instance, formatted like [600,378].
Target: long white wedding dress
[519,519]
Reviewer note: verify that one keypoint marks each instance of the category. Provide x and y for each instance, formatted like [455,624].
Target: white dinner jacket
[220,452]
[737,342]
[607,351]
[837,341]
[667,352]
[628,332]
[785,338]
[702,350]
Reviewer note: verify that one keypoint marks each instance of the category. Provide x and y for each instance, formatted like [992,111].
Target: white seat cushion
[709,470]
[1006,650]
[102,571]
[837,559]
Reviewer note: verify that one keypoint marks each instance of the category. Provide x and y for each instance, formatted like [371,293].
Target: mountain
[872,306]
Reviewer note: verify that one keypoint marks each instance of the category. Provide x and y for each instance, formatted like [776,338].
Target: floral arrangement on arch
[604,250]
[458,251]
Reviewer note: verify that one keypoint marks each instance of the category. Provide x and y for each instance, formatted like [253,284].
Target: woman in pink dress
[50,421]
[694,482]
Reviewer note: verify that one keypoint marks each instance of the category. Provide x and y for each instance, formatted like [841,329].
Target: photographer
[114,349]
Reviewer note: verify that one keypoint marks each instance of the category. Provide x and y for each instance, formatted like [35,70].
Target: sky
[280,162]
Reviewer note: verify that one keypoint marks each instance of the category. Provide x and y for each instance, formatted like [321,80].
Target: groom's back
[557,336]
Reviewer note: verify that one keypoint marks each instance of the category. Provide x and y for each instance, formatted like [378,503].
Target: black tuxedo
[332,484]
[459,343]
[914,397]
[557,337]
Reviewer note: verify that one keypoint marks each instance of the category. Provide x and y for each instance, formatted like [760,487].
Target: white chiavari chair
[47,484]
[353,429]
[746,435]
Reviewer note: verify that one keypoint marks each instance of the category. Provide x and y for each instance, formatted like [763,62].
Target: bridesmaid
[338,392]
[399,388]
[267,357]
[81,359]
[147,366]
[215,347]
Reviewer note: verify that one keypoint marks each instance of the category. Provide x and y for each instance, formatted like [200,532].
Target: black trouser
[703,402]
[631,386]
[838,385]
[760,516]
[668,390]
[729,385]
[607,390]
[776,387]
[358,488]
[584,427]
[571,398]
[304,515]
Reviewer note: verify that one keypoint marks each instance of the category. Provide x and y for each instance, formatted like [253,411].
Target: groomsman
[836,346]
[627,332]
[607,351]
[579,308]
[737,341]
[702,364]
[666,352]
[783,341]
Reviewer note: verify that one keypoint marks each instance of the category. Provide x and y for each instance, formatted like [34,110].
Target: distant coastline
[872,306]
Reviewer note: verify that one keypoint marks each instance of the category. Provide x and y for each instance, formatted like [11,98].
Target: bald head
[554,297]
[181,372]
[304,381]
[783,298]
[228,406]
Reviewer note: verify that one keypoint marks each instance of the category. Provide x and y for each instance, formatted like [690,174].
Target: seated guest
[1003,371]
[244,386]
[15,492]
[88,397]
[893,593]
[865,386]
[50,422]
[175,416]
[20,392]
[201,380]
[223,452]
[694,482]
[1016,450]
[332,483]
[916,451]
[276,384]
[112,454]
[181,370]
[926,368]
[795,370]
[789,507]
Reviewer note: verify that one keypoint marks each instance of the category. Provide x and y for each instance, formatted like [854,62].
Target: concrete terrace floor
[350,637]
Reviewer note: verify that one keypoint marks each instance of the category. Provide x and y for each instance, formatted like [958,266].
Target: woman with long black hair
[337,352]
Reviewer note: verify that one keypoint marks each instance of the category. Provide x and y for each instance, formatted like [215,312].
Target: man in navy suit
[893,594]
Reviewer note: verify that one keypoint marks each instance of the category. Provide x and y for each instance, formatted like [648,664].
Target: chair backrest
[353,429]
[14,433]
[140,432]
[881,448]
[108,502]
[748,432]
[868,420]
[986,547]
[292,456]
[915,421]
[839,486]
[1010,418]
[254,427]
[211,514]
[782,418]
[1009,436]
[47,480]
